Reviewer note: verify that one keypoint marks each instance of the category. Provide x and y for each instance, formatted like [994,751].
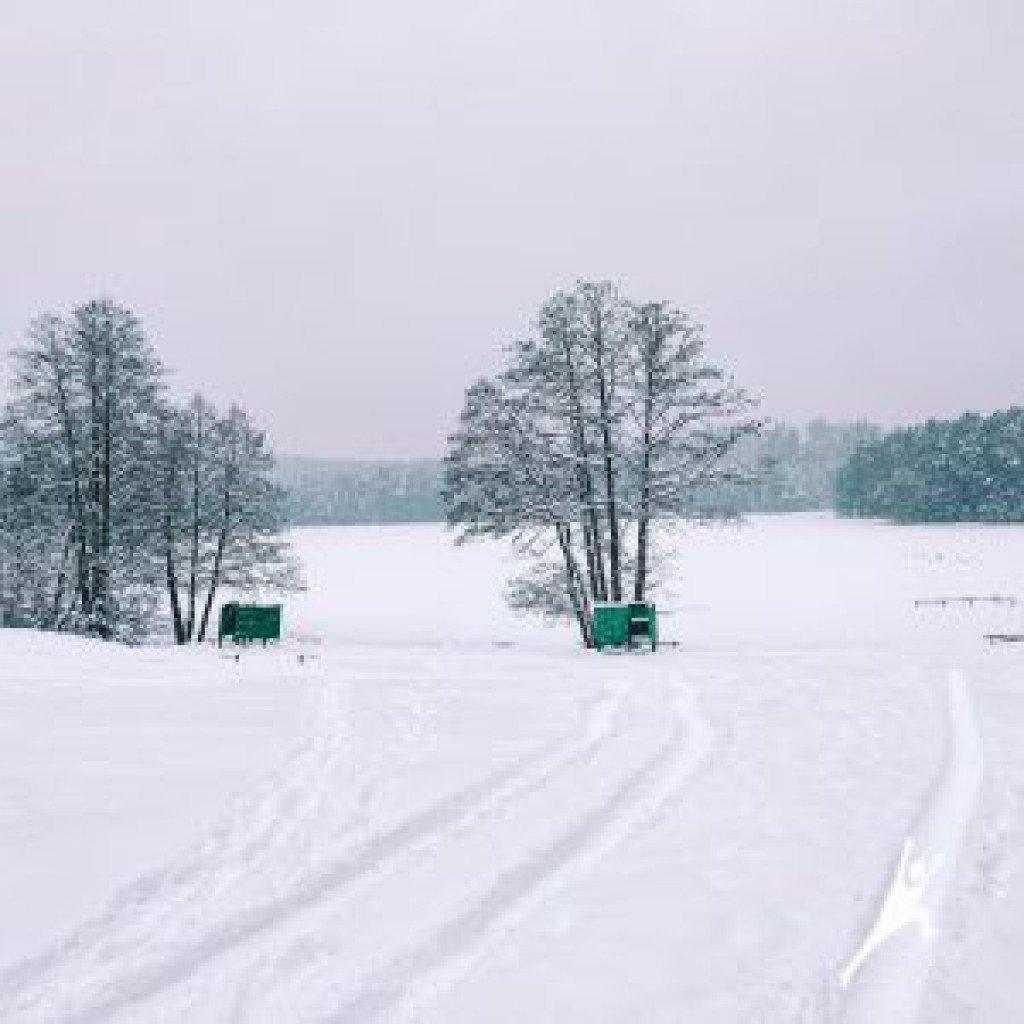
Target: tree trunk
[642,540]
[193,575]
[104,559]
[227,512]
[172,591]
[214,582]
[62,575]
[574,584]
[591,528]
[77,501]
[168,452]
[599,583]
[588,545]
[95,490]
[644,506]
[604,409]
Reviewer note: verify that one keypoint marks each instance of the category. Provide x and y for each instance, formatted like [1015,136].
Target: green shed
[624,625]
[244,623]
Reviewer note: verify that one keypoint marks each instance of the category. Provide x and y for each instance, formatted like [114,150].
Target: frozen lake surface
[811,810]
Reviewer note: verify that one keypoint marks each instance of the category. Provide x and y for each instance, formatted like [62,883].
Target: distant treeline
[340,491]
[785,469]
[969,469]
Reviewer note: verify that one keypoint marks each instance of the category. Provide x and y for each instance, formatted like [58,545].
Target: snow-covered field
[811,810]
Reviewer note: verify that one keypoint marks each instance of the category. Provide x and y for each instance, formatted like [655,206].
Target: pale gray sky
[334,212]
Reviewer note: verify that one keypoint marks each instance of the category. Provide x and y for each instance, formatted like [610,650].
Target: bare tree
[248,552]
[607,412]
[602,313]
[223,517]
[113,496]
[87,389]
[173,452]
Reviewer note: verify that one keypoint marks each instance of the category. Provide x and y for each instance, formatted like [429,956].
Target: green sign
[624,625]
[244,623]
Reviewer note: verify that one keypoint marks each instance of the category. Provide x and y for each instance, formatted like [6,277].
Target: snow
[897,951]
[446,813]
[108,757]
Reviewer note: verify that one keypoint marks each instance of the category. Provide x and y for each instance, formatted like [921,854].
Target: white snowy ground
[448,814]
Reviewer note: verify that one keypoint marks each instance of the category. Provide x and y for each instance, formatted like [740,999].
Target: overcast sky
[336,212]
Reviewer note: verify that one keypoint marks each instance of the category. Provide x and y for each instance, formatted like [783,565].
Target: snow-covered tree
[967,469]
[246,551]
[112,496]
[222,515]
[606,414]
[86,394]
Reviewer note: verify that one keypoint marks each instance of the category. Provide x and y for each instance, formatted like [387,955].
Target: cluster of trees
[607,420]
[120,508]
[322,491]
[967,469]
[791,469]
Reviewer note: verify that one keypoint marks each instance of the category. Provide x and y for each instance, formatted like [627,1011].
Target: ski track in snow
[400,989]
[884,979]
[166,929]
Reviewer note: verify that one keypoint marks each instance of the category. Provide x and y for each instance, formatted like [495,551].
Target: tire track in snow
[109,988]
[884,979]
[402,987]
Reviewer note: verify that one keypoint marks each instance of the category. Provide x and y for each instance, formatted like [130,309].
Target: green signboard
[624,625]
[245,623]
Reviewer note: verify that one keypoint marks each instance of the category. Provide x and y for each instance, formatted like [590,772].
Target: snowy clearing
[449,814]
